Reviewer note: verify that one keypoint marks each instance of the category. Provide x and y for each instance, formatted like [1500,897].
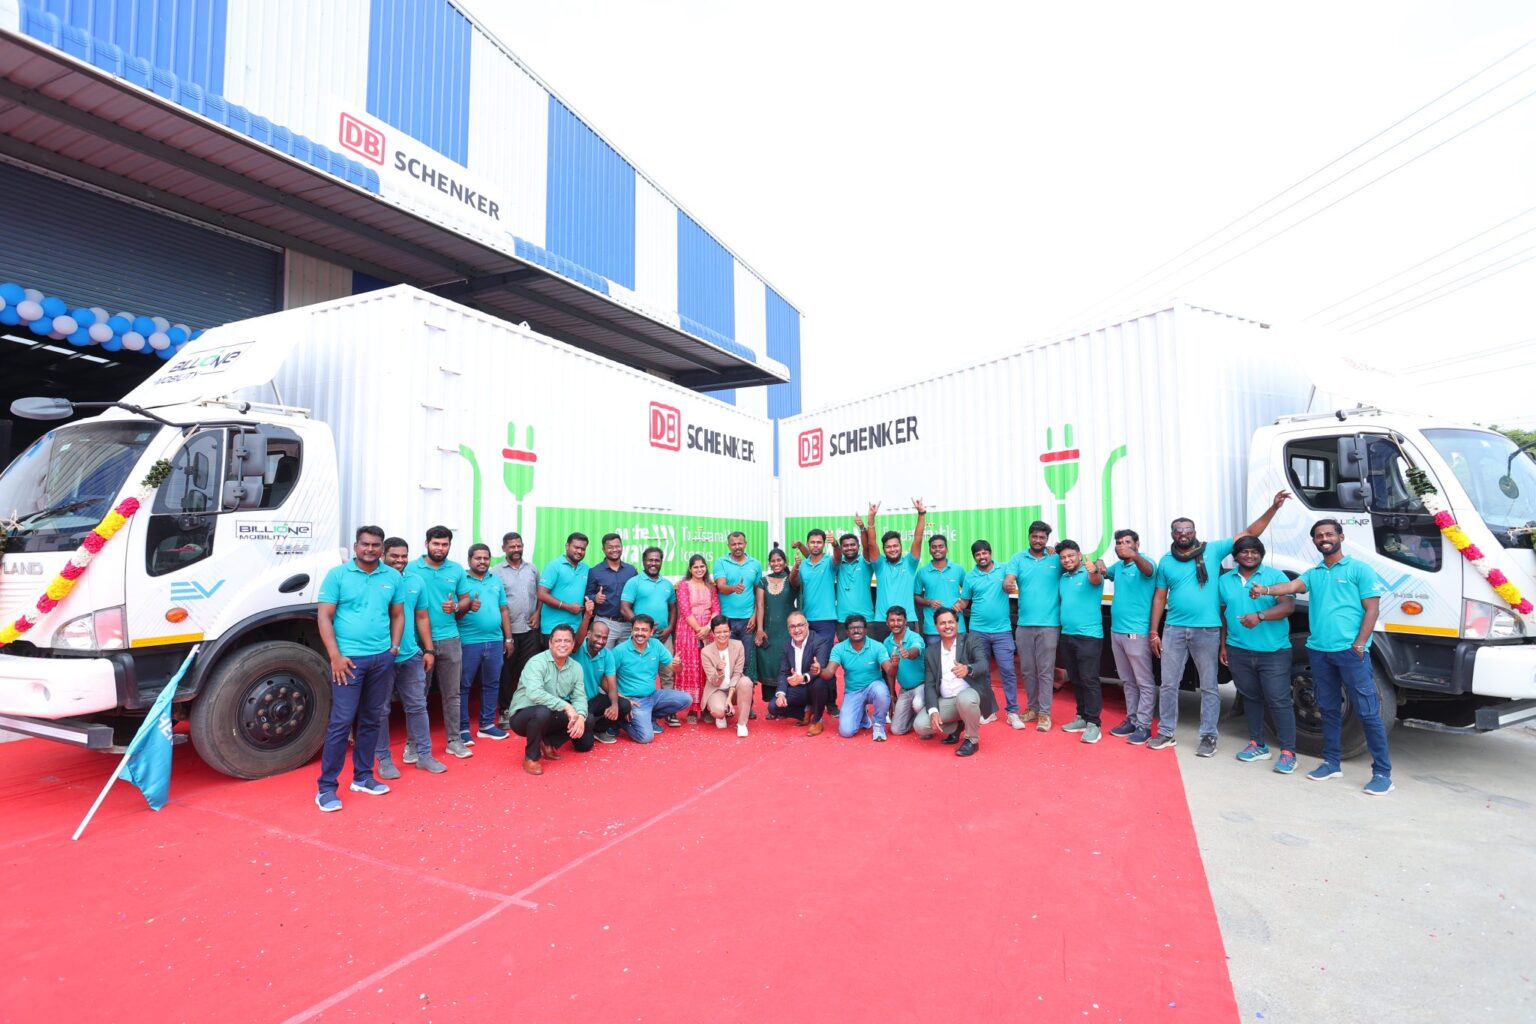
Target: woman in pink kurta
[697,603]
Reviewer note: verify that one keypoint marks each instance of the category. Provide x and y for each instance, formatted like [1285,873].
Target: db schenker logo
[811,447]
[362,139]
[666,427]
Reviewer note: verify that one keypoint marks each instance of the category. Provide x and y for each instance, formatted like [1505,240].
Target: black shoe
[966,749]
[753,715]
[952,738]
[832,709]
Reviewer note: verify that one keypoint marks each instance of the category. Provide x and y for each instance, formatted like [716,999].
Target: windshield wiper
[68,506]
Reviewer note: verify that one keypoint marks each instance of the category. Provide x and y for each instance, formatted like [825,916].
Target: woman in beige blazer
[725,682]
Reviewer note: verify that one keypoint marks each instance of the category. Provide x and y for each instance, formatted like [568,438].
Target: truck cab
[227,553]
[1448,652]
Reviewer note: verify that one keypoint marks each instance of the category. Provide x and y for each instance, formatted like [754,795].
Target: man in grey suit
[957,686]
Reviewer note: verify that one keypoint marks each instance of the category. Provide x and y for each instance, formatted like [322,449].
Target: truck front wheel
[1309,716]
[263,711]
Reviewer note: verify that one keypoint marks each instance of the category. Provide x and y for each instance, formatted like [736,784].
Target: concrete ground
[1337,906]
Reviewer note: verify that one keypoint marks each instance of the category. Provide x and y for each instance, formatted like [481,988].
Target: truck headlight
[101,630]
[1483,621]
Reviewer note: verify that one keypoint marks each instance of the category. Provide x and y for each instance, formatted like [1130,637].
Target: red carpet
[703,878]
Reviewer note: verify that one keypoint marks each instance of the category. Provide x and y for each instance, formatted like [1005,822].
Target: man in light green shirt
[550,705]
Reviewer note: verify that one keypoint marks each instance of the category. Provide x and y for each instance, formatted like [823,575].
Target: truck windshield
[60,487]
[1502,491]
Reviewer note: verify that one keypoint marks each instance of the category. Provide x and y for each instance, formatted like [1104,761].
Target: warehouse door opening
[96,288]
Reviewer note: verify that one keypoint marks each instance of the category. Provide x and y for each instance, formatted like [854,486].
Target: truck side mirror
[250,452]
[1352,496]
[1351,460]
[242,493]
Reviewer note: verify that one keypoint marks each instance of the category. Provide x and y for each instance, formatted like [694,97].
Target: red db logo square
[666,427]
[810,447]
[361,139]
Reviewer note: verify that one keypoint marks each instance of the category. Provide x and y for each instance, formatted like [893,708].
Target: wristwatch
[429,650]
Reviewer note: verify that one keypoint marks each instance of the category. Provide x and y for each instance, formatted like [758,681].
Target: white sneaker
[989,719]
[720,723]
[741,729]
[1014,721]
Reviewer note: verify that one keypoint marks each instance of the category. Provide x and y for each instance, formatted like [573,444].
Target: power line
[1355,191]
[1465,356]
[1431,259]
[1428,277]
[1362,326]
[1129,288]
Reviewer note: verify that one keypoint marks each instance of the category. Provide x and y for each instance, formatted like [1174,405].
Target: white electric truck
[284,434]
[1187,412]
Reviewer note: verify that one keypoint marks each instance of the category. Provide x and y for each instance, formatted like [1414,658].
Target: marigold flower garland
[94,541]
[1435,505]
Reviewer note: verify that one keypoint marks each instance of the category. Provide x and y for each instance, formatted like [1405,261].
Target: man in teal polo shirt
[1185,584]
[938,586]
[447,597]
[1036,575]
[1081,592]
[607,708]
[651,594]
[1344,598]
[411,667]
[741,599]
[485,631]
[895,573]
[987,600]
[1256,648]
[360,621]
[816,576]
[904,670]
[1130,617]
[639,663]
[861,660]
[563,586]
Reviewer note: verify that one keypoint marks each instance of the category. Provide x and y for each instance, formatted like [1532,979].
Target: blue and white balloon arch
[51,317]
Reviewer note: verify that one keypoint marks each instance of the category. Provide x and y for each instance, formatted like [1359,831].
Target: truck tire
[263,711]
[1309,721]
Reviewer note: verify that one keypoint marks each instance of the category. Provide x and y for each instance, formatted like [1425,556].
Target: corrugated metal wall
[307,280]
[294,78]
[277,70]
[590,217]
[177,270]
[185,37]
[418,72]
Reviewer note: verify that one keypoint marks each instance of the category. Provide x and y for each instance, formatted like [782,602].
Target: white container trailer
[1184,412]
[287,432]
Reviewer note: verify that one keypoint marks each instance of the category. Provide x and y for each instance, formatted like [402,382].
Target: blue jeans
[1181,643]
[358,702]
[851,714]
[656,704]
[1333,674]
[823,635]
[482,662]
[411,685]
[1000,651]
[1264,680]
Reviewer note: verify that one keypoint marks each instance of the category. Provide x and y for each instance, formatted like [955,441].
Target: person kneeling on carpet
[725,682]
[957,682]
[549,705]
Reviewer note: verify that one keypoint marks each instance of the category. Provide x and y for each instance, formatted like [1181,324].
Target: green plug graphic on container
[1060,473]
[517,470]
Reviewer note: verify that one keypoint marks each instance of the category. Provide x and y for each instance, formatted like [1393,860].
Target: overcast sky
[954,182]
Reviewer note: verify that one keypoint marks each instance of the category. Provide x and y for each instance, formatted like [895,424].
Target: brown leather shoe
[815,729]
[805,720]
[532,767]
[549,752]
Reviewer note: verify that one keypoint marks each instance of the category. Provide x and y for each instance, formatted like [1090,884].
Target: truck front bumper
[1505,670]
[50,688]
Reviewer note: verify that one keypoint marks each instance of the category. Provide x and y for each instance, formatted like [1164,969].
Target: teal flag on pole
[149,753]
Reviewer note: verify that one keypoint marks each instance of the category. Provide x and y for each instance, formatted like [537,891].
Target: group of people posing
[580,653]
